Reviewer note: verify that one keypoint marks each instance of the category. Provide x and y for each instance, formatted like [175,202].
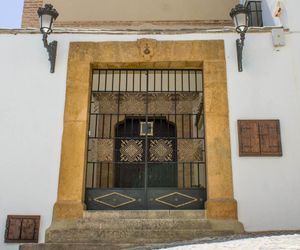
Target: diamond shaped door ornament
[176,199]
[114,199]
[131,150]
[161,150]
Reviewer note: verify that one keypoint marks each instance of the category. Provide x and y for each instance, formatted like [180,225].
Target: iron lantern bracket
[239,48]
[51,49]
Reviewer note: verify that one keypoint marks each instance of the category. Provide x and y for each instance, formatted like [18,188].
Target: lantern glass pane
[241,19]
[241,22]
[46,23]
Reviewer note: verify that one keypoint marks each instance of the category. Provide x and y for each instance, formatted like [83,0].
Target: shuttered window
[259,138]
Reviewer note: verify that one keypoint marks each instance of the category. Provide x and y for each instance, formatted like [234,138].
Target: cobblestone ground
[279,240]
[282,242]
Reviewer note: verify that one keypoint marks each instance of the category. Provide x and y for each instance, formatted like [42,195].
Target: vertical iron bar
[189,80]
[110,125]
[154,81]
[93,175]
[103,124]
[168,80]
[146,141]
[133,81]
[198,166]
[125,125]
[256,13]
[140,80]
[86,176]
[113,81]
[182,124]
[203,125]
[168,124]
[196,82]
[96,125]
[182,80]
[126,79]
[98,80]
[183,174]
[160,125]
[100,176]
[191,175]
[190,125]
[175,90]
[105,84]
[161,81]
[132,127]
[107,175]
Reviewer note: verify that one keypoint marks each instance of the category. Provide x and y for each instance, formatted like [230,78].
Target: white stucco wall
[289,13]
[31,121]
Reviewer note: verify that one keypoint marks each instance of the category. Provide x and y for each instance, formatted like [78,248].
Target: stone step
[74,246]
[137,237]
[145,214]
[134,224]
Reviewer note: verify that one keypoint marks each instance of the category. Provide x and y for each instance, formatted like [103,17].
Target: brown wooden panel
[248,132]
[22,229]
[14,228]
[28,228]
[270,142]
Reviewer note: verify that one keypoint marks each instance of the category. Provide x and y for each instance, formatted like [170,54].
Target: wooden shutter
[248,138]
[269,137]
[259,138]
[22,229]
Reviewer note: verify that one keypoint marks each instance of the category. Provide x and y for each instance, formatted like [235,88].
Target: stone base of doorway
[126,229]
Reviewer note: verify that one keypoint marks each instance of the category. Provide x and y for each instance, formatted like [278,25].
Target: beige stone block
[215,73]
[67,210]
[218,157]
[221,209]
[216,101]
[72,168]
[77,103]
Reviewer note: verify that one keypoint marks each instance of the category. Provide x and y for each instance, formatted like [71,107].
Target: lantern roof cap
[48,10]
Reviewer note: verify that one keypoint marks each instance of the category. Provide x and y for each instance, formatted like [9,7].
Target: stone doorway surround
[146,53]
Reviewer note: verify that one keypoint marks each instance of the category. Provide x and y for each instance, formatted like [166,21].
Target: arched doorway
[145,156]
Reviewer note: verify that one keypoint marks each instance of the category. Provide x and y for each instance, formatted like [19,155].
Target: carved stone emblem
[147,47]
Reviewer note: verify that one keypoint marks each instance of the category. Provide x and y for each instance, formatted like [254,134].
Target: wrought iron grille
[255,16]
[146,132]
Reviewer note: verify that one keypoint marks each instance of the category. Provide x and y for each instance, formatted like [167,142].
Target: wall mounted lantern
[47,15]
[240,17]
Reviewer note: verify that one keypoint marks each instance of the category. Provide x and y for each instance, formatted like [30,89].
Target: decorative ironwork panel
[131,150]
[190,150]
[105,103]
[177,199]
[110,199]
[101,150]
[161,150]
[132,103]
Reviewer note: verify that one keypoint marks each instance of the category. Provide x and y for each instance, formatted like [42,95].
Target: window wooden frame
[259,138]
[20,227]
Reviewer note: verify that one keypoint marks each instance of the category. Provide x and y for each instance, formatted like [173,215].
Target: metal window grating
[168,101]
[255,16]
